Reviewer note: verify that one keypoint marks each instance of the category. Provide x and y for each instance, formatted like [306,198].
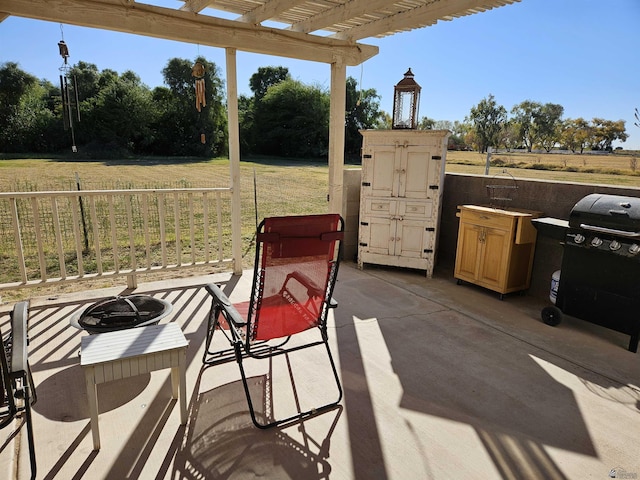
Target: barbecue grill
[600,273]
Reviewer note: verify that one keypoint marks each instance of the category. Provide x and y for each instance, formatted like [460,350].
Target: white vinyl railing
[66,236]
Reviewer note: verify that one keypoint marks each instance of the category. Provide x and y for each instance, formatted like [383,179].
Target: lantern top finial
[408,80]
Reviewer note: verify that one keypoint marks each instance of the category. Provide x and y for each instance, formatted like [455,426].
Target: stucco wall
[553,199]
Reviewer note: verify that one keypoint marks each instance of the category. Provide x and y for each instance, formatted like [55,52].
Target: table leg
[178,382]
[92,397]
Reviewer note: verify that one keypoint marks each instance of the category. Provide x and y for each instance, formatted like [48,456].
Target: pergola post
[336,134]
[234,159]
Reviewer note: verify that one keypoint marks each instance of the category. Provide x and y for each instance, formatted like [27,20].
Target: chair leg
[27,409]
[299,416]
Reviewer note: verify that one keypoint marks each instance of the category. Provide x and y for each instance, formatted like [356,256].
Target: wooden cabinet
[495,248]
[400,199]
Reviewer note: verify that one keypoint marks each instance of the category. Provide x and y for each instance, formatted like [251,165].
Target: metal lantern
[405,102]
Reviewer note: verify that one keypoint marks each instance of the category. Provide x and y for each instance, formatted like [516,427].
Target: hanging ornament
[197,71]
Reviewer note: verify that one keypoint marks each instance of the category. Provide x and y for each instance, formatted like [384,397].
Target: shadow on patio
[440,381]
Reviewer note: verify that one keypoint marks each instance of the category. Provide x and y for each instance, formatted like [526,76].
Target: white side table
[127,353]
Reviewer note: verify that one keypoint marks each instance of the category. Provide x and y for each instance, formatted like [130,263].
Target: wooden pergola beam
[427,14]
[188,27]
[268,10]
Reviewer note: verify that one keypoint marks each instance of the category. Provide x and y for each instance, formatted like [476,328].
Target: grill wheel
[551,315]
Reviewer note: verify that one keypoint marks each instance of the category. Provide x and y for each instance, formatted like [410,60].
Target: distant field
[292,179]
[613,169]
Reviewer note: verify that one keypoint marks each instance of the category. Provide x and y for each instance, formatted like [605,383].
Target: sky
[581,54]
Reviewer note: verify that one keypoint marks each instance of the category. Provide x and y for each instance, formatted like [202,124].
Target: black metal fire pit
[120,313]
[600,273]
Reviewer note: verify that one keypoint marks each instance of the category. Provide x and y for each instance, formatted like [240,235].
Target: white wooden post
[234,159]
[336,134]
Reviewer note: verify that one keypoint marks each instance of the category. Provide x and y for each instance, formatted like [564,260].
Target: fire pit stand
[121,313]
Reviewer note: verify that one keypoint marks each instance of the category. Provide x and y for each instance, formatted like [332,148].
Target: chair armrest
[221,299]
[19,353]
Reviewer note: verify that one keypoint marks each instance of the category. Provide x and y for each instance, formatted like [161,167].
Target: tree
[384,122]
[292,120]
[14,83]
[264,78]
[575,134]
[546,123]
[524,114]
[122,114]
[362,112]
[605,132]
[488,118]
[88,79]
[510,135]
[179,118]
[426,123]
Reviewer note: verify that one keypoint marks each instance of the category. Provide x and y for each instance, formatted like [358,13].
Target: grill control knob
[614,245]
[634,249]
[596,242]
[579,238]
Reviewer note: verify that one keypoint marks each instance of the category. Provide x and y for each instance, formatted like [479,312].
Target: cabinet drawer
[487,218]
[416,209]
[379,206]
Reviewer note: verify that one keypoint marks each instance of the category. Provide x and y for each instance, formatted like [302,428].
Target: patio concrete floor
[440,381]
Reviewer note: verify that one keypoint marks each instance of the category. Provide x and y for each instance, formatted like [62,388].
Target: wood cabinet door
[378,235]
[380,167]
[417,172]
[412,239]
[494,265]
[469,251]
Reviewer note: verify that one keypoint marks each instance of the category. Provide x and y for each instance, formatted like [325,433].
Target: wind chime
[70,103]
[197,71]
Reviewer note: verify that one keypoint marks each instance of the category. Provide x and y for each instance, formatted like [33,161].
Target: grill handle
[610,231]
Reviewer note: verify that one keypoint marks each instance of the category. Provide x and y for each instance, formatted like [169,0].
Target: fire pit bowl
[120,313]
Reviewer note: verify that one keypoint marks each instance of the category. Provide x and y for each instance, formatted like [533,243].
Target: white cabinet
[400,199]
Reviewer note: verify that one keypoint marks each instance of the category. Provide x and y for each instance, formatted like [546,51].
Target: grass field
[615,169]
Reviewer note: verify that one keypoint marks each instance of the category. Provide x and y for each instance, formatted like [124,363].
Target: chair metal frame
[18,390]
[241,332]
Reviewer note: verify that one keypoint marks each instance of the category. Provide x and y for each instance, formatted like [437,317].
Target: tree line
[536,125]
[119,115]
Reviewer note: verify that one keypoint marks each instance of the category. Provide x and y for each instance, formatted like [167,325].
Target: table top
[110,346]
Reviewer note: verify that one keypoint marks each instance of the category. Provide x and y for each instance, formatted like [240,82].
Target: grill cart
[600,273]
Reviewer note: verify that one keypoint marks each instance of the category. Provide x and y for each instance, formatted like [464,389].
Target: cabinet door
[378,235]
[495,259]
[412,239]
[380,167]
[417,172]
[469,251]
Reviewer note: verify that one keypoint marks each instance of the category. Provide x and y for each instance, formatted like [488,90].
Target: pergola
[326,31]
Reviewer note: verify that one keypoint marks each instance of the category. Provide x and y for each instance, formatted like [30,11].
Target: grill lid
[608,214]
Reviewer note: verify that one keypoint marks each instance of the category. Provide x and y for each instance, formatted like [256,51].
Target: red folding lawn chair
[295,271]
